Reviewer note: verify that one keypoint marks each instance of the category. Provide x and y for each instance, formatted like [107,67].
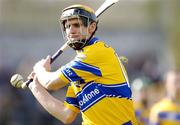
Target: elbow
[69,117]
[48,86]
[68,120]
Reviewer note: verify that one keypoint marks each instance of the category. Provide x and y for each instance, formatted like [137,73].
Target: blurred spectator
[141,104]
[167,110]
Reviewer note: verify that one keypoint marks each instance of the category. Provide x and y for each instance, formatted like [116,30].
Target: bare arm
[49,80]
[54,106]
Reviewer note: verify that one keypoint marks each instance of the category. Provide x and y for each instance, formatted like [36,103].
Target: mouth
[74,37]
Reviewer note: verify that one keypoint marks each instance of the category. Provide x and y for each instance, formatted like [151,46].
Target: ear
[92,27]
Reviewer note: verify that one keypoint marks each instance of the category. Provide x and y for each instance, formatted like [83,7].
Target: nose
[72,29]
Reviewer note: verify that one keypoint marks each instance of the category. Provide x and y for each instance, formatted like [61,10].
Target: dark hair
[85,21]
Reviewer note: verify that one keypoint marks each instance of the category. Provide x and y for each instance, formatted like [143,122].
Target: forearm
[44,77]
[52,105]
[49,80]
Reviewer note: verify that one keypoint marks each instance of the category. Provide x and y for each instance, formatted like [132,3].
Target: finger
[48,58]
[31,75]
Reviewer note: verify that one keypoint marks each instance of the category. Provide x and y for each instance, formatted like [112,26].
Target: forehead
[73,20]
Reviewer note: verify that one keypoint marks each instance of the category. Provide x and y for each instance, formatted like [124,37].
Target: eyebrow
[74,24]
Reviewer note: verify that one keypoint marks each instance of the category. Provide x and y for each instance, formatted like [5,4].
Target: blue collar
[92,41]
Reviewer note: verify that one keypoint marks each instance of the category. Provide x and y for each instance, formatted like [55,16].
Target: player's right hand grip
[53,58]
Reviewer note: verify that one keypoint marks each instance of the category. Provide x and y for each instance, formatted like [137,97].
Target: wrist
[32,86]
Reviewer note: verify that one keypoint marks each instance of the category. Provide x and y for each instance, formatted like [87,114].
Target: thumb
[31,76]
[48,58]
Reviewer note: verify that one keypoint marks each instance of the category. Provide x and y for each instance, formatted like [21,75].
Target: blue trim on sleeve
[138,113]
[72,101]
[169,116]
[178,117]
[163,115]
[71,75]
[86,67]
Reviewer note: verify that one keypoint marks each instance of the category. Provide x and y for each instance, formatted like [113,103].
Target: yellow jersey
[99,87]
[165,112]
[142,113]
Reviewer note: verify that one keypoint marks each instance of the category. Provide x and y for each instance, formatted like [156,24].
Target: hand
[43,64]
[34,84]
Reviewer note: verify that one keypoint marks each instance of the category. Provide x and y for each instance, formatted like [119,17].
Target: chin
[74,39]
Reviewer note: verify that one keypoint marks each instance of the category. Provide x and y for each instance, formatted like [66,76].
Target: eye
[67,26]
[77,25]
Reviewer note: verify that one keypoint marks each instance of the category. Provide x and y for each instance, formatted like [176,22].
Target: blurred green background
[145,31]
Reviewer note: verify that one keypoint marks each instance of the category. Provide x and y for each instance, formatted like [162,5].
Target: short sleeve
[71,100]
[153,117]
[79,71]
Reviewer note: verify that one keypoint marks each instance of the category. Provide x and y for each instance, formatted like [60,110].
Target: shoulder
[98,48]
[160,106]
[101,44]
[99,51]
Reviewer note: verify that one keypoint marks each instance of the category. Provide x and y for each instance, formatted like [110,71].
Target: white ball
[16,80]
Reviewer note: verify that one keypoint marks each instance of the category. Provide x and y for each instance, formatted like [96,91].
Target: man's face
[75,30]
